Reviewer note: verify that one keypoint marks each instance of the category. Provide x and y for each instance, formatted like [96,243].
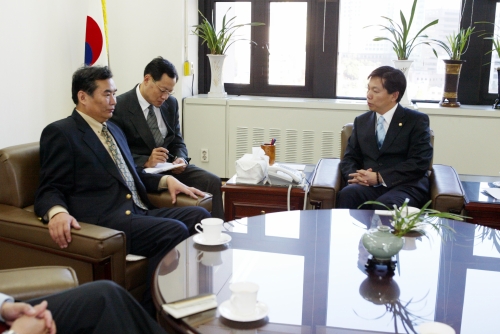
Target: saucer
[224,238]
[261,311]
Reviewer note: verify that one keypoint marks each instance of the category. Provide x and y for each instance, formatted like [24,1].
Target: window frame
[321,67]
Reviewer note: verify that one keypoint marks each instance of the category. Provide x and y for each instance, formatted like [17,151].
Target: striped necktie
[380,131]
[122,167]
[153,126]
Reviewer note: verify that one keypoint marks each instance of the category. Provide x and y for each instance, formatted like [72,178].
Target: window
[495,61]
[287,54]
[359,54]
[321,48]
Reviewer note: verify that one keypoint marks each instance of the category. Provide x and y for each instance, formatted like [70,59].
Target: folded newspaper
[184,307]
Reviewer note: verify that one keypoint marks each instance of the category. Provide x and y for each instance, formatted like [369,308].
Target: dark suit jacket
[405,155]
[130,118]
[78,173]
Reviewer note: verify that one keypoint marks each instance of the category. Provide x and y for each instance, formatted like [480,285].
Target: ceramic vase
[404,66]
[381,243]
[450,94]
[496,105]
[216,82]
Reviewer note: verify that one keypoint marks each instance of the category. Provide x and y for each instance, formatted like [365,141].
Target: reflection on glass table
[309,266]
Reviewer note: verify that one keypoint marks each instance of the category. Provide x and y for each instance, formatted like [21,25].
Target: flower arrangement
[219,42]
[402,44]
[404,221]
[457,43]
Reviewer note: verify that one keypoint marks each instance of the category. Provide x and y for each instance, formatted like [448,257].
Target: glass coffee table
[310,267]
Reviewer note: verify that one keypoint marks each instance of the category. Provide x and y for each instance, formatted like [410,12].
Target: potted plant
[405,221]
[402,43]
[455,47]
[218,42]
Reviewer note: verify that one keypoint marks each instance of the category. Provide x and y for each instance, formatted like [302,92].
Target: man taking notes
[88,174]
[389,152]
[149,116]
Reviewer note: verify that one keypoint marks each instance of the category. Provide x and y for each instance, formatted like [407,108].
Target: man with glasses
[149,116]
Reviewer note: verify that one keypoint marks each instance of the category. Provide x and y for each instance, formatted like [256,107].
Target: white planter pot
[216,83]
[404,66]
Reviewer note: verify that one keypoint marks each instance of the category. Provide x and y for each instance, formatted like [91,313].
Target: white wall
[42,44]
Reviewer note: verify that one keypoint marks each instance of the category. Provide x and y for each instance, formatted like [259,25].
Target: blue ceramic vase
[381,243]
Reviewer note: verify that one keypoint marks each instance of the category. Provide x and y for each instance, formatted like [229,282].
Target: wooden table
[483,208]
[247,200]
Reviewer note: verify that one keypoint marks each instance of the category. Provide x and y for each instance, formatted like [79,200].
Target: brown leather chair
[95,252]
[447,193]
[35,282]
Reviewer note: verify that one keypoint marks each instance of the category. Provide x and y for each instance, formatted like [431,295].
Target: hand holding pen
[158,155]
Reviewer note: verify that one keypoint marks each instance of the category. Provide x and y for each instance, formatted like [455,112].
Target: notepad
[184,307]
[495,192]
[162,167]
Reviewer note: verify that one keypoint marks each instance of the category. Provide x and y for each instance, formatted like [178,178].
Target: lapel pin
[400,124]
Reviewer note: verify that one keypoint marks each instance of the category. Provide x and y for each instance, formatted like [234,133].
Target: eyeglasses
[163,91]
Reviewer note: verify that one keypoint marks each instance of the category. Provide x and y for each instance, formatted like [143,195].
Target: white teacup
[435,328]
[244,297]
[212,228]
[210,258]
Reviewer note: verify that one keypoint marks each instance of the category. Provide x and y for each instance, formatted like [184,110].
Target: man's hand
[60,228]
[175,187]
[178,170]
[158,155]
[364,177]
[24,318]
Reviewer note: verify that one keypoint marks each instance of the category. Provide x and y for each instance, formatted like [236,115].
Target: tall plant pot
[216,83]
[496,105]
[450,94]
[404,66]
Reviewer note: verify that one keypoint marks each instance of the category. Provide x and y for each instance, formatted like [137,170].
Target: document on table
[494,192]
[162,167]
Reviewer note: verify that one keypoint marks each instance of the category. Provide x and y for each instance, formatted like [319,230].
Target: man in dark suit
[95,307]
[88,174]
[149,116]
[389,152]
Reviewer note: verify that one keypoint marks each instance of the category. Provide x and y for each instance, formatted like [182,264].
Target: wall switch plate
[204,155]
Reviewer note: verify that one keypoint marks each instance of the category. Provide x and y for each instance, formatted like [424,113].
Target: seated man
[88,174]
[149,116]
[389,152]
[96,307]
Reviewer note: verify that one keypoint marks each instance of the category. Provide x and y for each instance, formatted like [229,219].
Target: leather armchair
[446,191]
[34,282]
[95,252]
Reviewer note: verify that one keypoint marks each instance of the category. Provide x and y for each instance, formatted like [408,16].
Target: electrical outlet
[204,155]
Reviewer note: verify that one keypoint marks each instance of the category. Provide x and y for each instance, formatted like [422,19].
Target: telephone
[280,174]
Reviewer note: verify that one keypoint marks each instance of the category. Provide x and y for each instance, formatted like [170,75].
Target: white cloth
[252,168]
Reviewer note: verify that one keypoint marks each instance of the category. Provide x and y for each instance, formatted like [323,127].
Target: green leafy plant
[404,221]
[219,42]
[456,44]
[494,39]
[402,44]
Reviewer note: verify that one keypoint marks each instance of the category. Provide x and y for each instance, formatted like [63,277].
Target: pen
[171,156]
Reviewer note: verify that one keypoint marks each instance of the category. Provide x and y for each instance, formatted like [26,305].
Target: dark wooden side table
[483,208]
[247,200]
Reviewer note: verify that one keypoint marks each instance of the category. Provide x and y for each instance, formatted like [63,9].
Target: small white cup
[210,259]
[244,297]
[435,328]
[212,228]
